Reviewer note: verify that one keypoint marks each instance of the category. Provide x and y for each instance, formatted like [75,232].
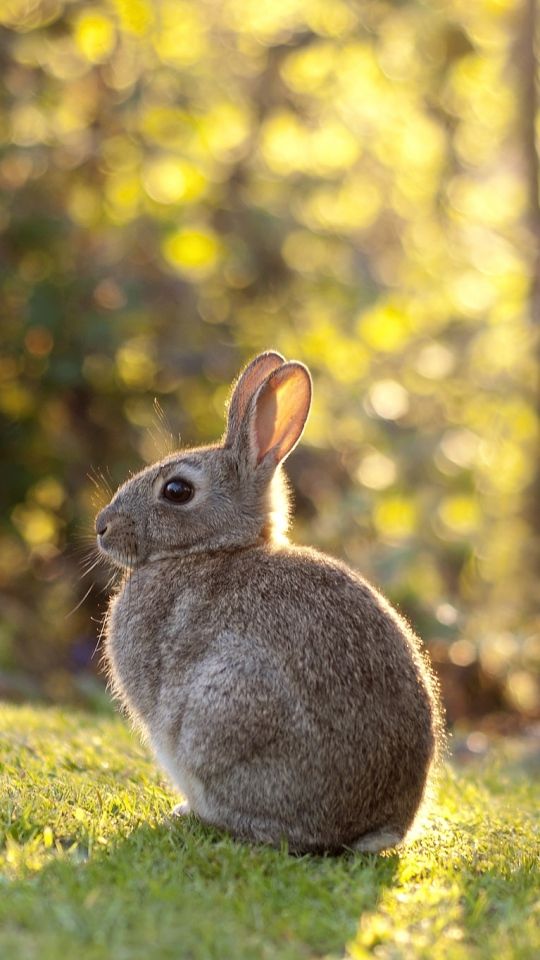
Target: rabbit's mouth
[121,554]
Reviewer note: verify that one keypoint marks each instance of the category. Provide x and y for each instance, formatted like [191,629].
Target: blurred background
[187,182]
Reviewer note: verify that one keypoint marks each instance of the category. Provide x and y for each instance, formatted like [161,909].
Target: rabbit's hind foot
[181,809]
[377,840]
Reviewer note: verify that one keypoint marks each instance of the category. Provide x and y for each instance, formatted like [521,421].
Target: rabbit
[285,698]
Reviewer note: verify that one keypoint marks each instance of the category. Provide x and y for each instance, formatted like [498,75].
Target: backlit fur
[282,694]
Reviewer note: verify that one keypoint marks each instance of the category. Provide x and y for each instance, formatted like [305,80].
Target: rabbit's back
[337,641]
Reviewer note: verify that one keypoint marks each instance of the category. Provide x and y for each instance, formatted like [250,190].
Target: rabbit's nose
[102,523]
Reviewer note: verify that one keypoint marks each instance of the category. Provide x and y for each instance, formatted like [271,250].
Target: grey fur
[282,694]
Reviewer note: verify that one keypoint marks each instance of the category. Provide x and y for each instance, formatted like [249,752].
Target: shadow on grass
[184,890]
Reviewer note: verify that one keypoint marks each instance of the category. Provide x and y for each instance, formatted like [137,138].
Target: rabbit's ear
[248,382]
[278,413]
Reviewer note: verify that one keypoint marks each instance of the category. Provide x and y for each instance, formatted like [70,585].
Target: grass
[90,867]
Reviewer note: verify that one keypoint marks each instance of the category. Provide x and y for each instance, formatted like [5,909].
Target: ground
[92,868]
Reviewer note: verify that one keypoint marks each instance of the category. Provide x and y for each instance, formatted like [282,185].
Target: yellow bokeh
[193,251]
[265,21]
[180,33]
[135,364]
[49,493]
[284,143]
[169,179]
[306,70]
[288,146]
[332,19]
[523,690]
[460,514]
[95,35]
[136,16]
[225,129]
[16,401]
[348,208]
[36,525]
[123,194]
[168,127]
[384,327]
[29,125]
[83,204]
[395,517]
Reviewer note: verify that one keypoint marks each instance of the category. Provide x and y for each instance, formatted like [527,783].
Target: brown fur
[283,695]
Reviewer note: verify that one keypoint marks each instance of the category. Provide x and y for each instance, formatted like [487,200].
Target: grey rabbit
[283,695]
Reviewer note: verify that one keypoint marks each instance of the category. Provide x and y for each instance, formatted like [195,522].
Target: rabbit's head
[226,495]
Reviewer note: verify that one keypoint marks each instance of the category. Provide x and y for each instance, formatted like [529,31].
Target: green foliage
[92,868]
[185,183]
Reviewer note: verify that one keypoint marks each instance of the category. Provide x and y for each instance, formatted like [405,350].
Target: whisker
[84,547]
[110,486]
[161,432]
[111,580]
[87,558]
[100,482]
[87,550]
[91,567]
[85,528]
[79,552]
[80,603]
[103,624]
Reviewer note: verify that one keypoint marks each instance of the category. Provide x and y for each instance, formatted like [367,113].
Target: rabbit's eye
[177,490]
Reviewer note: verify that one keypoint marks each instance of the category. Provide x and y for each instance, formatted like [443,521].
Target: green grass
[91,868]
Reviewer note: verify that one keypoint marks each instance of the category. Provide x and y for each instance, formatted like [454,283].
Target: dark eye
[177,490]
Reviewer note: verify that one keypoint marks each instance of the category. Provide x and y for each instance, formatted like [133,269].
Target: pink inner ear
[282,408]
[251,378]
[265,423]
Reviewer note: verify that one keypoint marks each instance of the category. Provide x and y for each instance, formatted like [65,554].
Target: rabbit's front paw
[378,840]
[181,809]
